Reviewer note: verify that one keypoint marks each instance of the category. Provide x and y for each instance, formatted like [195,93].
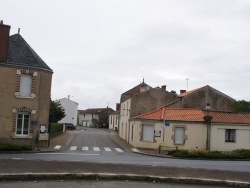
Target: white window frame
[22,119]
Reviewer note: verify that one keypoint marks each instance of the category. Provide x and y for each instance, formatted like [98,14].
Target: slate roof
[195,115]
[21,54]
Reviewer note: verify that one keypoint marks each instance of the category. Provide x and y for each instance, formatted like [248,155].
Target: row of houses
[198,119]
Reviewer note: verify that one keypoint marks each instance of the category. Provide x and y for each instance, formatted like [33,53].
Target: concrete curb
[119,177]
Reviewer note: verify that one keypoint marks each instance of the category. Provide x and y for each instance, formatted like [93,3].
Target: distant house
[187,129]
[95,117]
[200,97]
[25,84]
[139,100]
[70,108]
[114,118]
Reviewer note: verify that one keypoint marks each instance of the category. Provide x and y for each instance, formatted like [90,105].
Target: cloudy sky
[99,49]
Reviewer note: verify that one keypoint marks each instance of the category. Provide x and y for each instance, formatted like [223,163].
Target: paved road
[95,145]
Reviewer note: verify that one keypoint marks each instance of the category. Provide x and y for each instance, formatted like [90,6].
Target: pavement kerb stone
[119,177]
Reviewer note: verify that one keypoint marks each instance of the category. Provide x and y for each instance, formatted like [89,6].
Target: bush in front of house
[236,154]
[14,147]
[56,129]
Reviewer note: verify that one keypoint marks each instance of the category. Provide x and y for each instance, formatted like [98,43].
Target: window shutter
[179,135]
[148,133]
[25,85]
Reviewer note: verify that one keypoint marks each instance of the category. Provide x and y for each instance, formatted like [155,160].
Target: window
[22,124]
[132,132]
[25,85]
[179,135]
[230,135]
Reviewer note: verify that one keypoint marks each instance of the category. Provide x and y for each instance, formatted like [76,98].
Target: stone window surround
[141,131]
[173,135]
[34,75]
[15,111]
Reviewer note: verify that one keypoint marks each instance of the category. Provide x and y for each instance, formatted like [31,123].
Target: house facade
[95,117]
[26,84]
[139,103]
[187,129]
[114,120]
[70,108]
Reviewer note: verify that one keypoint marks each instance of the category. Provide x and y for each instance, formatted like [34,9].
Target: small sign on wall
[44,136]
[157,133]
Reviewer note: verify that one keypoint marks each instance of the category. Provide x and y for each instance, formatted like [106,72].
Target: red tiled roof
[189,92]
[136,89]
[195,115]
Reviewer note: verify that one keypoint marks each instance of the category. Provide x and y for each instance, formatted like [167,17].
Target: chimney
[4,41]
[182,91]
[117,106]
[164,87]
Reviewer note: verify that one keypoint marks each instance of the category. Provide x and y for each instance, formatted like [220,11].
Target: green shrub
[237,154]
[56,128]
[14,147]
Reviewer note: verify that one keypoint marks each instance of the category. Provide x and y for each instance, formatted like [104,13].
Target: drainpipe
[208,119]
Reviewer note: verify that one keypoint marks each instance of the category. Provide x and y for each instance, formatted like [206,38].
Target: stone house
[186,128]
[142,99]
[95,117]
[25,84]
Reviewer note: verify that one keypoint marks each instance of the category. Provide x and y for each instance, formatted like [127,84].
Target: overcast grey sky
[99,49]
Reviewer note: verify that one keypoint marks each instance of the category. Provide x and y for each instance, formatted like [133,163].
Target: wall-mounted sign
[166,124]
[42,129]
[44,136]
[157,133]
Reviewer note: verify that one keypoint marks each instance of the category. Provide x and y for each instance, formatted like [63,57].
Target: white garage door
[148,133]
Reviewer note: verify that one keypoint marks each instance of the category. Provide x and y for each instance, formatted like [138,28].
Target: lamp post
[208,119]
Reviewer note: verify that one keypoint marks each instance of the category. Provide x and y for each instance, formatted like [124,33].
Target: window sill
[16,136]
[17,94]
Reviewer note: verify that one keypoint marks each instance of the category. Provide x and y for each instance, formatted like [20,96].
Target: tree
[241,106]
[56,112]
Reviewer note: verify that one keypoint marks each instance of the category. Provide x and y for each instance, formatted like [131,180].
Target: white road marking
[96,148]
[85,148]
[118,149]
[107,149]
[73,147]
[135,150]
[57,147]
[65,154]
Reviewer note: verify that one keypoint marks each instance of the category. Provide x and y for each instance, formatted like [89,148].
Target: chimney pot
[182,91]
[164,87]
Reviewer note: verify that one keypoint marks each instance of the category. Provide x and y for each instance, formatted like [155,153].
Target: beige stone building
[141,99]
[186,129]
[25,85]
